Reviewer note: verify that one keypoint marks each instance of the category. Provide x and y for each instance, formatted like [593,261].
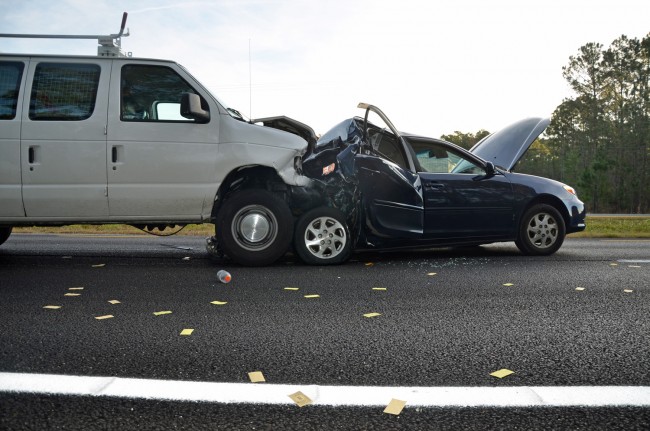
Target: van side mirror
[191,108]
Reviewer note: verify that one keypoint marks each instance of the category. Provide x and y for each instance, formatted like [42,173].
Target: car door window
[387,146]
[153,93]
[437,158]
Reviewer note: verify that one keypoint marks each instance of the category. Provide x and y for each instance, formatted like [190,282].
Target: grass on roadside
[597,227]
[615,227]
[206,229]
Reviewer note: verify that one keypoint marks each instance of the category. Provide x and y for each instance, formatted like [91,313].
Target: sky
[433,66]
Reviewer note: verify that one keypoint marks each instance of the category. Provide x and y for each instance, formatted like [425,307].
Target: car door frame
[466,206]
[402,216]
[391,194]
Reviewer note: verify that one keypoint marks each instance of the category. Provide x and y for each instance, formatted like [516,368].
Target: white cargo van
[96,140]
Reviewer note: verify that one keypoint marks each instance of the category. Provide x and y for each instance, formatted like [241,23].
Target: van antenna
[109,45]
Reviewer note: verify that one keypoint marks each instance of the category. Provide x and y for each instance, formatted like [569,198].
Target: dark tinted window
[153,93]
[64,92]
[387,146]
[10,74]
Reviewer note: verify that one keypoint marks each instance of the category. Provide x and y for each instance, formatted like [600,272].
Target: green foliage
[465,140]
[599,140]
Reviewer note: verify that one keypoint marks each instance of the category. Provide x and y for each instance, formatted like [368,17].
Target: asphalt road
[484,309]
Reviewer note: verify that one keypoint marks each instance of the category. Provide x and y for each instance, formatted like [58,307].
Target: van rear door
[63,146]
[11,83]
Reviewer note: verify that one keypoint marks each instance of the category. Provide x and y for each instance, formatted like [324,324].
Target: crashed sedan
[376,188]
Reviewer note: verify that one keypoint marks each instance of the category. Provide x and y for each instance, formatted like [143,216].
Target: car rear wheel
[322,237]
[254,227]
[5,231]
[541,232]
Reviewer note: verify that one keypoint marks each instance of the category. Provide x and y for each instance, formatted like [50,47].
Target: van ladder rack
[109,45]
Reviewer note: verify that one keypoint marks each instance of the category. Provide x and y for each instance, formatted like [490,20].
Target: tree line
[598,140]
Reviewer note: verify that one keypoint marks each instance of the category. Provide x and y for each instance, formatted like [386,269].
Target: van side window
[11,73]
[153,93]
[64,91]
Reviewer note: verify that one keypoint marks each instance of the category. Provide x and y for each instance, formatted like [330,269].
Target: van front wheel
[254,227]
[5,231]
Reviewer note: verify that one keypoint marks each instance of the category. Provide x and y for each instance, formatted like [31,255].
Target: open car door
[391,189]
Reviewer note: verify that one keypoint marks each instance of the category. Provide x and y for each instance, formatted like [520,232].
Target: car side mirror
[191,108]
[490,170]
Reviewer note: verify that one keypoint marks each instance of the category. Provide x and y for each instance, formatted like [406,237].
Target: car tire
[254,227]
[322,237]
[541,232]
[5,231]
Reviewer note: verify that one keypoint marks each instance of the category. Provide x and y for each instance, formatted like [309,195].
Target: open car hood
[505,147]
[290,125]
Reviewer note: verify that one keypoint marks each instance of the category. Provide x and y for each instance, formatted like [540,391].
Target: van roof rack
[109,45]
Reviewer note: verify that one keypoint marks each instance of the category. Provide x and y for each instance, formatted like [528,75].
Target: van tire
[5,231]
[254,227]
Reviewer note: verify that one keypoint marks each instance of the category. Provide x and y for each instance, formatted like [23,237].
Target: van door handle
[32,156]
[114,155]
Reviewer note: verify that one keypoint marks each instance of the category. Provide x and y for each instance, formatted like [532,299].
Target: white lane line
[265,393]
[634,260]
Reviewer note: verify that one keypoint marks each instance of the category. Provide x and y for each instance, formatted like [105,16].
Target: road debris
[503,372]
[256,377]
[224,276]
[395,407]
[300,399]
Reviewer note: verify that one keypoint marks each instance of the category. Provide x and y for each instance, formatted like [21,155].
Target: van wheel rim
[542,230]
[325,237]
[254,227]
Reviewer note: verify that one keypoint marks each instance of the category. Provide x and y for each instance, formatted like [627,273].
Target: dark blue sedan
[379,188]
